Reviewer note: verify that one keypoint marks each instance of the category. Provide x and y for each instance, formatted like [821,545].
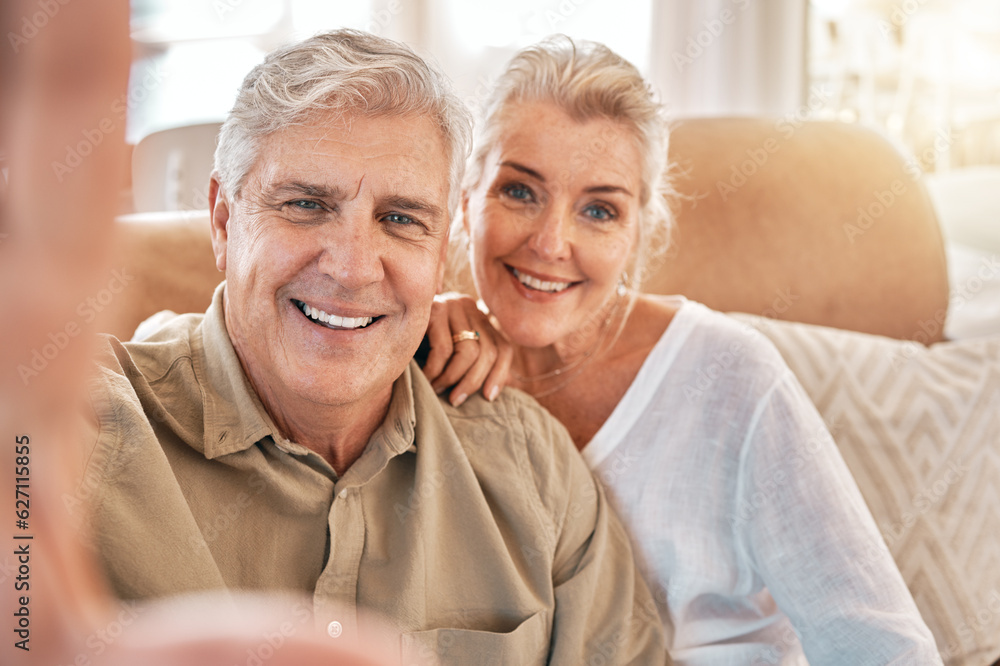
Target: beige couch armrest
[170,257]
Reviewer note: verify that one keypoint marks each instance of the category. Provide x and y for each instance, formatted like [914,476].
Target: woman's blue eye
[519,192]
[397,218]
[599,213]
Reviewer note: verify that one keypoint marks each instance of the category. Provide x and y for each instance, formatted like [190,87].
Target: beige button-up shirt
[478,531]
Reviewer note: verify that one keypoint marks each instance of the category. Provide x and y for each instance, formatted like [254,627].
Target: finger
[462,354]
[472,380]
[499,375]
[463,359]
[439,335]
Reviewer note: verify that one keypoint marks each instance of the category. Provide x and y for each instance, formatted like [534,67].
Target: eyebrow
[334,193]
[596,189]
[523,169]
[607,189]
[307,189]
[415,205]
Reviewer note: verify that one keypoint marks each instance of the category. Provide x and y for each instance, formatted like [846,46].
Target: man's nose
[353,252]
[552,237]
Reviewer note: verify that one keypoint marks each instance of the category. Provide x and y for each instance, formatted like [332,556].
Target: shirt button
[343,493]
[334,629]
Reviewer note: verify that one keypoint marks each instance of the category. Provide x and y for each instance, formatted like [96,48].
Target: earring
[622,288]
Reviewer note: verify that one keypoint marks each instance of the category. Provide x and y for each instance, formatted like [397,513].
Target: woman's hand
[466,364]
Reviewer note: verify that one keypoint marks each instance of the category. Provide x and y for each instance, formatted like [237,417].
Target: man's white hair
[347,72]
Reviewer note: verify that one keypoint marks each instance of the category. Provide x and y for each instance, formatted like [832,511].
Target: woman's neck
[541,371]
[584,398]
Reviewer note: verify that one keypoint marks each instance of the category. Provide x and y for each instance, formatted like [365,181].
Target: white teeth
[540,285]
[334,320]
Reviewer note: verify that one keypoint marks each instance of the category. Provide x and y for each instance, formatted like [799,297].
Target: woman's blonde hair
[588,80]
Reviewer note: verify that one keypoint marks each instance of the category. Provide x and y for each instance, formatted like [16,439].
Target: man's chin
[332,386]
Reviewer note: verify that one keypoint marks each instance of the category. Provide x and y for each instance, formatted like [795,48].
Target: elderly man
[285,440]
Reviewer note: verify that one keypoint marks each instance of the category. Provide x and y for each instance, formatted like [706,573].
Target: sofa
[826,239]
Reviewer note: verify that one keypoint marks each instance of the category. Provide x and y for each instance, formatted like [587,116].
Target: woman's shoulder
[713,343]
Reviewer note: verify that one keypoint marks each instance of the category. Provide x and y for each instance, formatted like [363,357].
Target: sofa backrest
[815,222]
[822,223]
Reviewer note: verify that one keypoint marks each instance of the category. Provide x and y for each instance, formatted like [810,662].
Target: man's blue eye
[306,204]
[397,218]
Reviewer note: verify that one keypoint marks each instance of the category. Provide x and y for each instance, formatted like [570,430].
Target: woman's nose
[551,239]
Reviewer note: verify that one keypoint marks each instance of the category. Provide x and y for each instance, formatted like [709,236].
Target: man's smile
[333,321]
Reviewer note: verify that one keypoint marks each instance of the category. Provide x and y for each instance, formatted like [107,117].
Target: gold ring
[465,335]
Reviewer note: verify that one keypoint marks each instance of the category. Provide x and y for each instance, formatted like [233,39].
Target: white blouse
[750,530]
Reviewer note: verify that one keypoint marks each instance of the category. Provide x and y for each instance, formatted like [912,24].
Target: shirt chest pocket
[527,644]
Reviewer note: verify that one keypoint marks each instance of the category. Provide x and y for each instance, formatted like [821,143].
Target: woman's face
[553,222]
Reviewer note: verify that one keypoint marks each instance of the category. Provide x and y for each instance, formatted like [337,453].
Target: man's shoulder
[134,379]
[514,435]
[522,421]
[154,354]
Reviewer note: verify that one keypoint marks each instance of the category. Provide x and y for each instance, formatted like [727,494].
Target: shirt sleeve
[804,525]
[604,613]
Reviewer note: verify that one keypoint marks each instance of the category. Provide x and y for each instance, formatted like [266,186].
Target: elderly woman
[748,525]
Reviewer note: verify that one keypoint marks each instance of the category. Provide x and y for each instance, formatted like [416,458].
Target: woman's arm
[810,537]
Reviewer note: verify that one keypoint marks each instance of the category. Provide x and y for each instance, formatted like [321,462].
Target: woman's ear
[218,212]
[443,262]
[465,211]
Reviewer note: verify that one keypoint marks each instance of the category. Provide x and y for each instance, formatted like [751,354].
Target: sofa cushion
[919,428]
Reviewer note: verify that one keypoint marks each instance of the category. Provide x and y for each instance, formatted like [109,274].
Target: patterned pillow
[920,429]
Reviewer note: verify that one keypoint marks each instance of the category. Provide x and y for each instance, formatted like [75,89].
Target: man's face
[332,255]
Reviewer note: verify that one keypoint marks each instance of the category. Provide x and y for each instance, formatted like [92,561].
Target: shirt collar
[235,419]
[393,437]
